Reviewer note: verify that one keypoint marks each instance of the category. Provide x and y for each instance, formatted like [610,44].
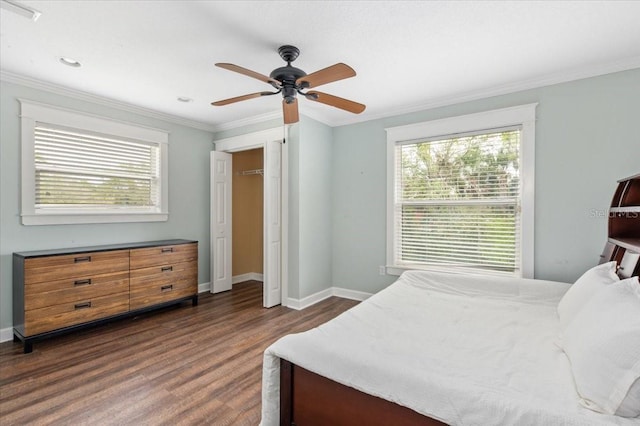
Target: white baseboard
[345,293]
[6,334]
[299,304]
[250,276]
[204,287]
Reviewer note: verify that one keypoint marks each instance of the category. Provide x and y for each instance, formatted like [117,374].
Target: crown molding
[534,83]
[33,83]
[256,119]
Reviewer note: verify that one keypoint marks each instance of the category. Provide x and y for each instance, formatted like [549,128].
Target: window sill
[71,219]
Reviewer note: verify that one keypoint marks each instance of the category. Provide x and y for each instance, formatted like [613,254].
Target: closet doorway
[247,197]
[235,197]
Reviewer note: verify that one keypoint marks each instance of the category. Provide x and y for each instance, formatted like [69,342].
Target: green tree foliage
[462,168]
[63,189]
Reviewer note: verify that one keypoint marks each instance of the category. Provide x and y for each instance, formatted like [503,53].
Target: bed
[433,348]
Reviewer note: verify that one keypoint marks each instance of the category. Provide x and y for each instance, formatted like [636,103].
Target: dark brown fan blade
[335,101]
[290,111]
[247,72]
[241,98]
[327,75]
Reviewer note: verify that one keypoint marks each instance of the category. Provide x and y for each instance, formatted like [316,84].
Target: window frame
[523,116]
[33,112]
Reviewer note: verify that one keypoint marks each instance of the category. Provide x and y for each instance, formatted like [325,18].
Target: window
[461,194]
[78,168]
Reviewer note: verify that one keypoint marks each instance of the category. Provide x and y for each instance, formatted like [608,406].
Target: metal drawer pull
[82,282]
[166,287]
[82,305]
[82,259]
[167,250]
[167,268]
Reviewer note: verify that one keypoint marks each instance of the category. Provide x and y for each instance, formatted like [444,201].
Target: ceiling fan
[291,81]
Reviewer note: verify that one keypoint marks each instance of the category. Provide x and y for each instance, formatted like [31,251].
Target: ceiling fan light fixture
[70,62]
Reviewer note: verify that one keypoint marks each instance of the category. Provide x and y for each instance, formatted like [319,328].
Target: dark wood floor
[182,365]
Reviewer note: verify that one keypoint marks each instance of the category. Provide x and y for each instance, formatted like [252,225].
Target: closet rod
[252,172]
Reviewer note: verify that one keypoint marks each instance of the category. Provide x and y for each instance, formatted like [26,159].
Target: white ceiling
[408,55]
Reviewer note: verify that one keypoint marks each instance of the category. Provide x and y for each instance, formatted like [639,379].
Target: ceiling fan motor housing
[287,75]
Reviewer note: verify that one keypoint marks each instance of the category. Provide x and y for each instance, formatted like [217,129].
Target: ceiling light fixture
[184,99]
[70,62]
[20,9]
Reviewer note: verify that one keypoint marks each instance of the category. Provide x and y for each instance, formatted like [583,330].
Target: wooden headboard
[623,243]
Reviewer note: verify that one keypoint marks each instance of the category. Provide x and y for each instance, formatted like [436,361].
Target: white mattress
[465,350]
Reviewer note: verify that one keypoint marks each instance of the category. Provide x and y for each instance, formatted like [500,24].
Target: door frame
[259,140]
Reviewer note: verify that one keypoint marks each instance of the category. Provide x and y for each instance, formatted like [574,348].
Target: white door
[272,265]
[221,175]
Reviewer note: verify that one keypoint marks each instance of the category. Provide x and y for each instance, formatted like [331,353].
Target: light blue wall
[293,149]
[586,139]
[359,206]
[188,192]
[315,200]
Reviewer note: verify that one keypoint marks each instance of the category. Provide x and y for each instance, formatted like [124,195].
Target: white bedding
[465,350]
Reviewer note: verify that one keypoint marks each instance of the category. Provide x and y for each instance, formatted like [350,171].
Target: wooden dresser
[57,291]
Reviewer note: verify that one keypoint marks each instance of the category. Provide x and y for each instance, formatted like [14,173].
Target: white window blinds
[84,171]
[457,201]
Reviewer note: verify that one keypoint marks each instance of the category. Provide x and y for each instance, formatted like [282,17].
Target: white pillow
[583,289]
[603,346]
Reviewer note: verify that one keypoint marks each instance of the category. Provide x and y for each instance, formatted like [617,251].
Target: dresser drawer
[52,268]
[161,294]
[145,276]
[163,283]
[76,312]
[49,293]
[163,255]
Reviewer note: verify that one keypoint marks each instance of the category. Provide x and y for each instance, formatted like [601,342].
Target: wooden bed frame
[308,399]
